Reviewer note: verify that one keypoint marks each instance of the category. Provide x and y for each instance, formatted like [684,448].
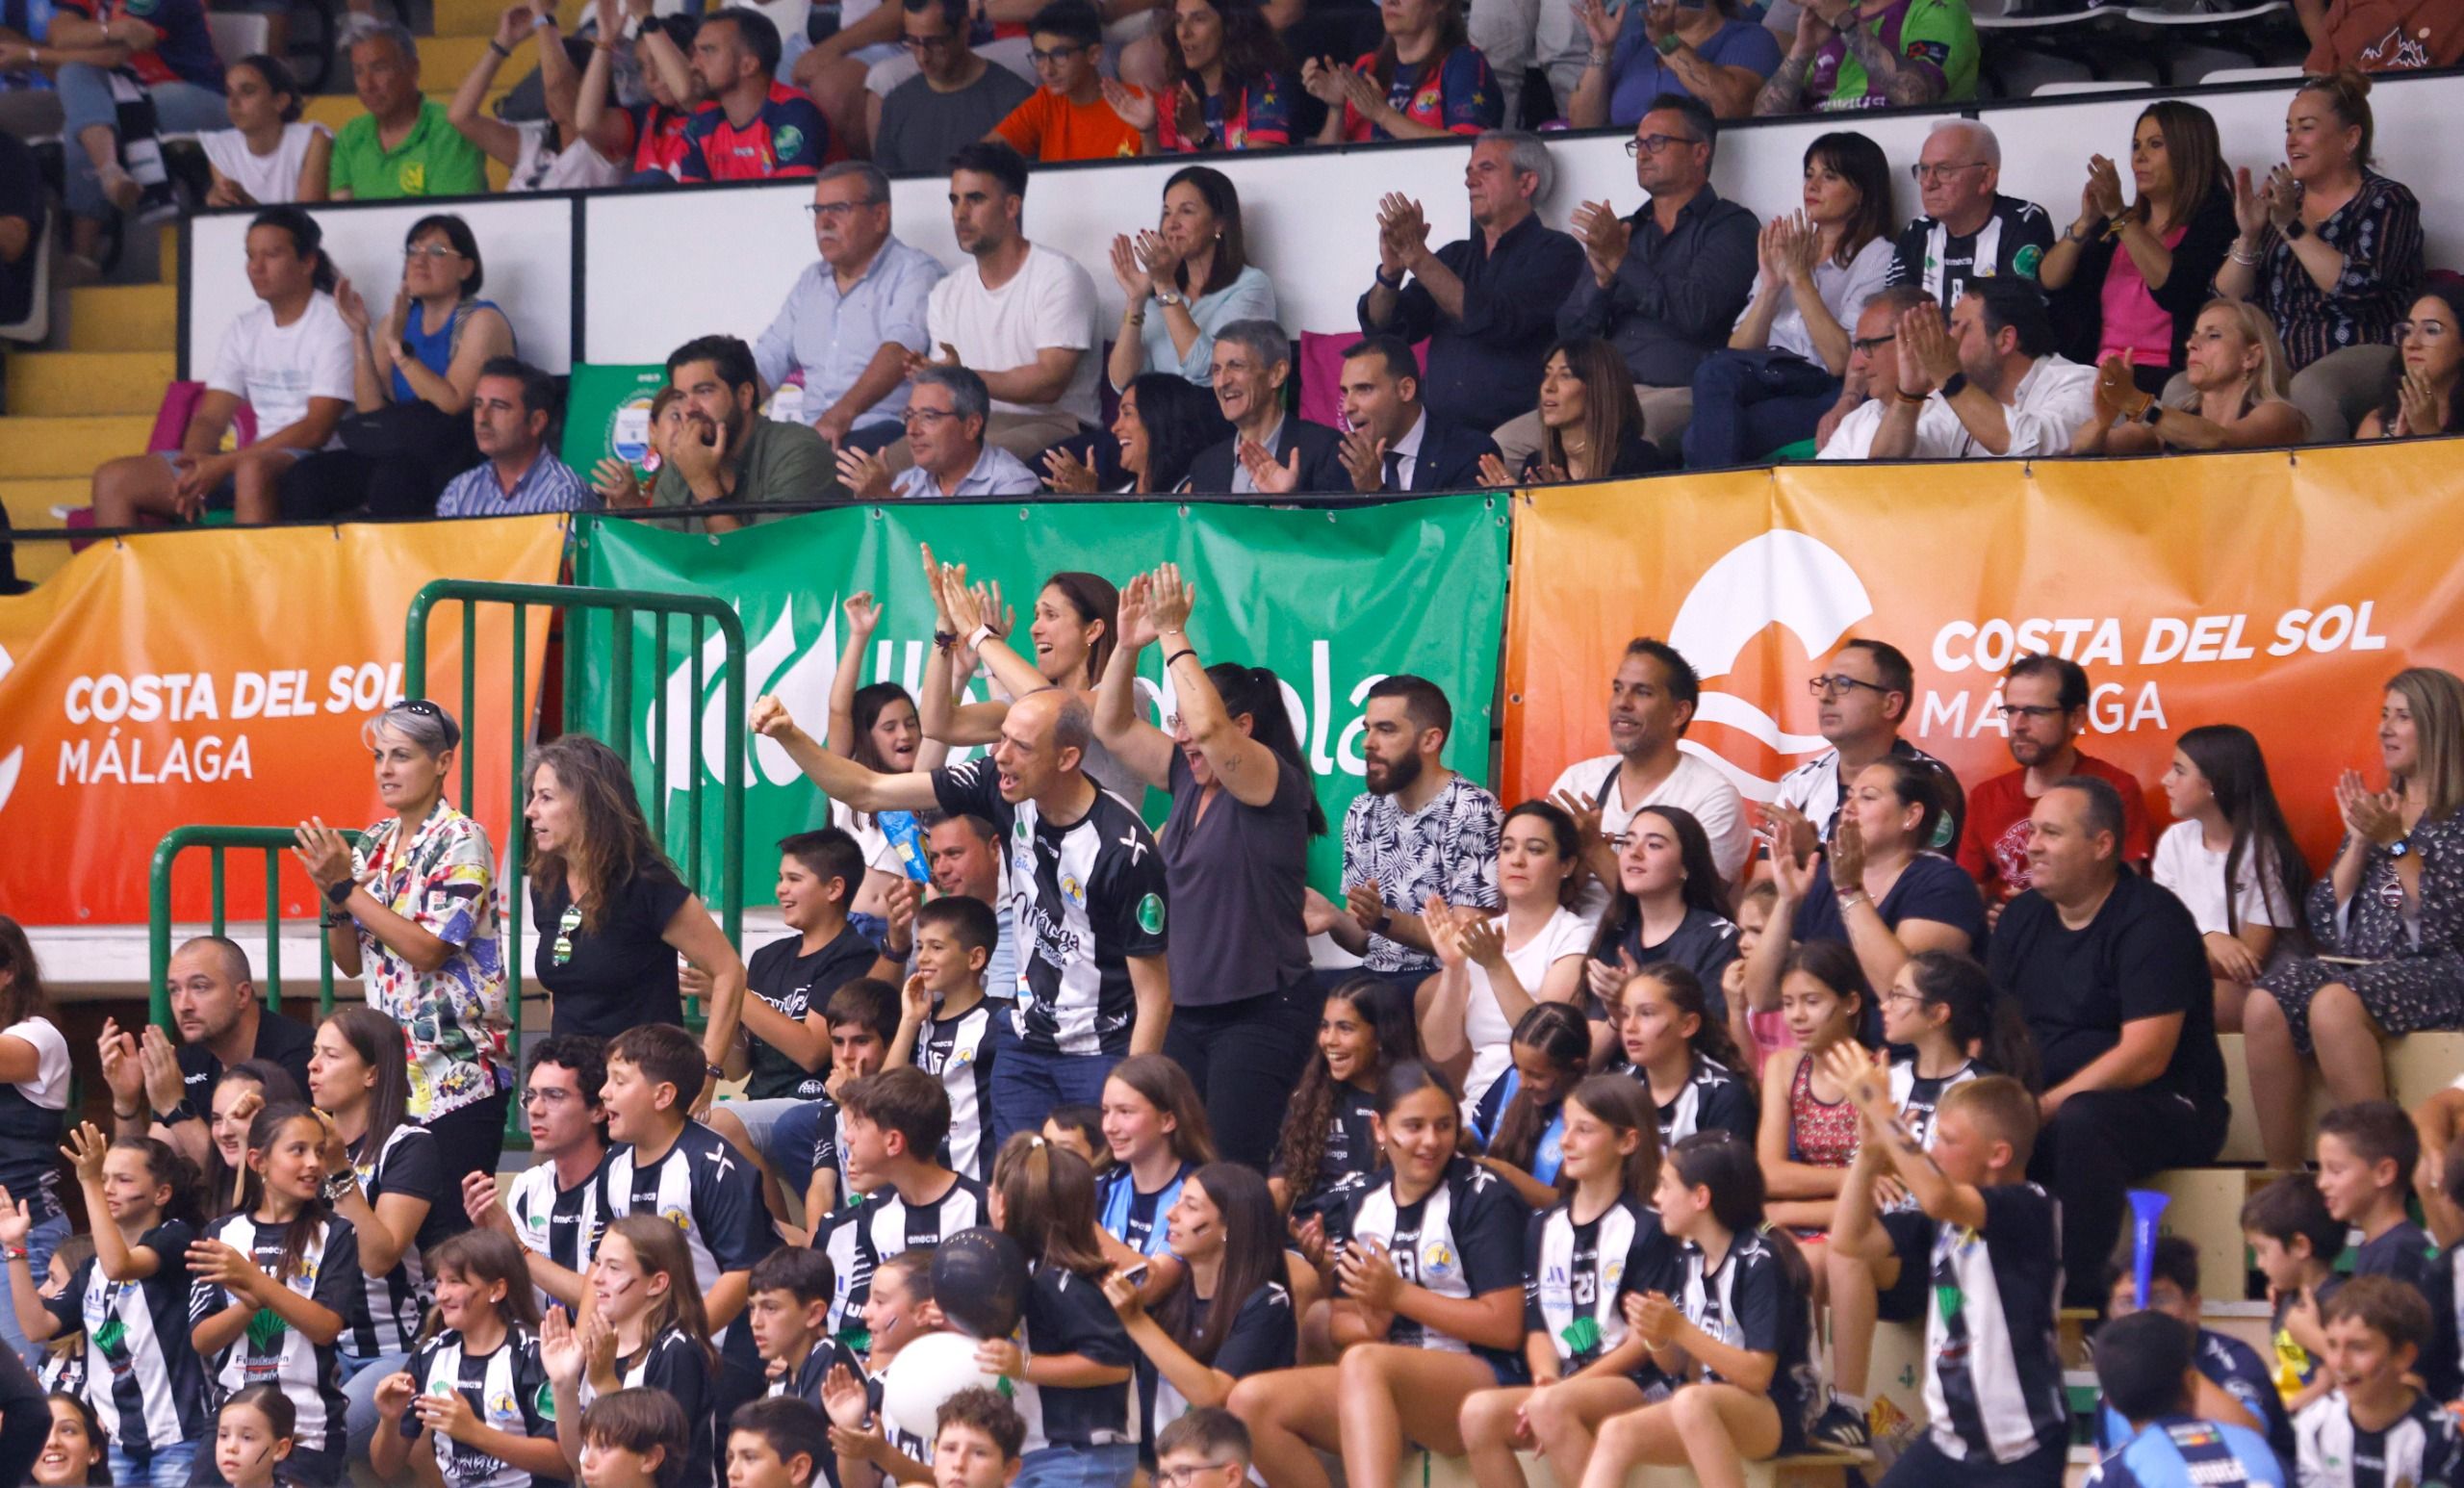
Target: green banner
[1331,599]
[607,412]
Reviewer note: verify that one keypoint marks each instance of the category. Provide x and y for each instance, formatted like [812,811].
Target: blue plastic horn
[2145,1205]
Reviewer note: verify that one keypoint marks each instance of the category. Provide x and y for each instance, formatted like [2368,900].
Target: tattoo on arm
[1780,96]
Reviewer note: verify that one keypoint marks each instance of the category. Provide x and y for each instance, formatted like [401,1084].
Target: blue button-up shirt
[547,485]
[996,472]
[832,337]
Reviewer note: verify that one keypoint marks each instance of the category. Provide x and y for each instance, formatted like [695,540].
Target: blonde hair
[2271,381]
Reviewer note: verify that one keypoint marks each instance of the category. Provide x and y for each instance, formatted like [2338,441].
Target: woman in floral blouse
[414,907]
[2388,920]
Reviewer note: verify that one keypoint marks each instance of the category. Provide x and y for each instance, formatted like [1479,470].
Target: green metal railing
[273,842]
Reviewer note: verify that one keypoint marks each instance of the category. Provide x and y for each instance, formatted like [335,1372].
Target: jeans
[360,1378]
[1244,1058]
[40,1242]
[1028,1083]
[180,107]
[1078,1467]
[168,1468]
[787,1146]
[1749,404]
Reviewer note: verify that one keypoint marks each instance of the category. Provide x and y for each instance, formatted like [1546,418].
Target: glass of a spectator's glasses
[549,1097]
[565,928]
[1836,685]
[836,211]
[1920,174]
[1872,346]
[1183,1477]
[930,418]
[2015,712]
[1917,1000]
[1054,58]
[433,250]
[1655,143]
[2428,330]
[922,45]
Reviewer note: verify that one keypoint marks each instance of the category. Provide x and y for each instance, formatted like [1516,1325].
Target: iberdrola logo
[800,674]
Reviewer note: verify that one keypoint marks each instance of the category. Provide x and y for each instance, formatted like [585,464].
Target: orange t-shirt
[1049,127]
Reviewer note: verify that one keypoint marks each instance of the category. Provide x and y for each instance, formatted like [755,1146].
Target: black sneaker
[1840,1430]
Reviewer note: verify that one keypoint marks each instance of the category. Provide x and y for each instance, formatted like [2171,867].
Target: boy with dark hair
[2143,1363]
[2367,1155]
[781,1442]
[790,1291]
[2295,1243]
[898,1308]
[1072,117]
[636,1438]
[553,1207]
[671,1165]
[1990,1339]
[2233,1385]
[945,1022]
[1208,1448]
[862,1017]
[893,1124]
[2373,1429]
[976,1440]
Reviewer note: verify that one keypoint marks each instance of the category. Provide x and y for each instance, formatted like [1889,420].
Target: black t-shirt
[1263,1337]
[410,1162]
[795,985]
[1931,888]
[2141,957]
[284,1043]
[1067,1313]
[1704,943]
[1239,874]
[673,1365]
[1350,1150]
[619,976]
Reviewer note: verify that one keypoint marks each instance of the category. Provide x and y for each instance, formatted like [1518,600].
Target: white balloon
[927,1373]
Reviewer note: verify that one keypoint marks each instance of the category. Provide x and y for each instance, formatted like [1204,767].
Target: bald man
[223,1021]
[1087,895]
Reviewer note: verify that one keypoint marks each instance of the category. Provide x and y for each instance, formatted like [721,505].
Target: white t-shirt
[2196,874]
[873,843]
[1568,932]
[1695,786]
[278,368]
[1050,302]
[269,179]
[575,168]
[1843,290]
[49,1088]
[2045,410]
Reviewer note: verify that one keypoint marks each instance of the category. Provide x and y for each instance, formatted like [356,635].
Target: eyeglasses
[836,211]
[928,44]
[1896,995]
[1182,1477]
[1920,174]
[1655,143]
[1054,58]
[540,1098]
[1869,344]
[1836,685]
[2405,330]
[2028,711]
[570,922]
[433,252]
[930,418]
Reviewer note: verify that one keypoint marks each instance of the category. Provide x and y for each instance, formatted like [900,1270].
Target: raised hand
[1163,260]
[85,1151]
[1320,78]
[1137,628]
[1270,476]
[1444,932]
[560,1351]
[769,718]
[863,615]
[394,1393]
[1493,471]
[514,26]
[2283,197]
[2118,395]
[2249,206]
[350,306]
[16,1221]
[2418,409]
[1136,107]
[121,1070]
[864,473]
[479,1202]
[1364,460]
[1928,357]
[1067,474]
[165,1086]
[844,1399]
[2102,196]
[915,1000]
[1170,600]
[1482,937]
[1137,285]
[617,483]
[1596,22]
[1847,856]
[324,853]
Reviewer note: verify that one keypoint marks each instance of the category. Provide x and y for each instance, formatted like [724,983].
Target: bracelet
[603,46]
[1135,318]
[13,1253]
[1185,651]
[1380,274]
[1850,898]
[1906,397]
[340,1186]
[1598,58]
[125,1116]
[498,50]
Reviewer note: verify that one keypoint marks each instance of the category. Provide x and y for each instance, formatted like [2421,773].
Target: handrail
[273,842]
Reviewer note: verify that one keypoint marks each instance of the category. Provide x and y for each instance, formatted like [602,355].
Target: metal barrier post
[273,842]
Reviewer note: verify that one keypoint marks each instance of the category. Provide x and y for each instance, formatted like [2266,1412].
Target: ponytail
[1725,1163]
[1984,1024]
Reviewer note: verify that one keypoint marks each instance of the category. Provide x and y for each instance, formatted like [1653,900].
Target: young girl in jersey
[1809,1132]
[1944,1012]
[1155,1127]
[473,1390]
[898,1309]
[1366,1029]
[1599,1243]
[1074,1373]
[1682,1054]
[72,1454]
[255,1438]
[645,1325]
[1494,969]
[387,1180]
[1428,1267]
[1735,1334]
[128,1300]
[270,1284]
[1229,1316]
[1521,1121]
[1668,903]
[246,1089]
[63,1367]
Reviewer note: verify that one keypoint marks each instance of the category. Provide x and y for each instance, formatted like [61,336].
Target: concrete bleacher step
[88,382]
[29,504]
[1809,1470]
[2419,1065]
[125,318]
[2204,1206]
[468,18]
[33,448]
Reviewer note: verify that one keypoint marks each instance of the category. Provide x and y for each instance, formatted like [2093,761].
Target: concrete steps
[125,317]
[88,382]
[62,446]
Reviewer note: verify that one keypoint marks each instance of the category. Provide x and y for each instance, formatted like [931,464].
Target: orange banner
[2272,592]
[223,677]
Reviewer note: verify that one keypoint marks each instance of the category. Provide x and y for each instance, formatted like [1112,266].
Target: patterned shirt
[787,137]
[547,485]
[1449,847]
[455,1018]
[1454,92]
[2380,234]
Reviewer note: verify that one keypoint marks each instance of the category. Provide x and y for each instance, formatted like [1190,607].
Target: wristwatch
[338,893]
[1170,298]
[1384,922]
[340,1185]
[182,1111]
[943,640]
[1953,385]
[2401,847]
[2153,414]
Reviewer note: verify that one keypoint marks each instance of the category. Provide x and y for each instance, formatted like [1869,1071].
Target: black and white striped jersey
[138,1371]
[2419,1448]
[958,1051]
[884,1225]
[271,1352]
[507,1391]
[1993,1392]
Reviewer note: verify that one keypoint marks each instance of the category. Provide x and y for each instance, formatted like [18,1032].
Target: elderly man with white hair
[1969,230]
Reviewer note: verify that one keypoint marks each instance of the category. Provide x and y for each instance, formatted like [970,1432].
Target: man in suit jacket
[1395,443]
[1270,449]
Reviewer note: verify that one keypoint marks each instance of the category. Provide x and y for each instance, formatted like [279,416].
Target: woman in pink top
[2131,280]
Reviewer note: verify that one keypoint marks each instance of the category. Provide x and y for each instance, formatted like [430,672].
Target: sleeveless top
[1820,1134]
[435,347]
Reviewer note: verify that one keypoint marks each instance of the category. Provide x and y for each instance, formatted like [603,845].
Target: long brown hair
[22,994]
[1094,598]
[1166,1087]
[313,1213]
[660,1247]
[484,1257]
[2436,698]
[1252,1260]
[1253,53]
[1451,33]
[1861,162]
[1048,1204]
[2199,162]
[377,1040]
[614,842]
[1624,1104]
[1231,245]
[1608,410]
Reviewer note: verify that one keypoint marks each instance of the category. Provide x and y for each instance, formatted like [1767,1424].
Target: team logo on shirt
[2024,262]
[1150,914]
[412,178]
[677,1217]
[1437,1260]
[787,141]
[1073,891]
[502,1406]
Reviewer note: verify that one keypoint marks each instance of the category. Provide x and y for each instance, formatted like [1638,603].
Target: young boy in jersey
[789,1309]
[2367,1154]
[1207,1448]
[976,1441]
[778,1443]
[893,1124]
[2373,1429]
[2143,1363]
[945,1023]
[548,1207]
[633,1438]
[2295,1243]
[863,1018]
[898,1307]
[2234,1385]
[668,1164]
[1990,1339]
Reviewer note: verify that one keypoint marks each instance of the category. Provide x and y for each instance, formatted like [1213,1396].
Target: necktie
[1394,470]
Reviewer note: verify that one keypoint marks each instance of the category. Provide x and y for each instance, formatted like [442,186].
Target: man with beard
[1988,385]
[223,1020]
[1020,315]
[728,453]
[2045,706]
[1651,704]
[1419,832]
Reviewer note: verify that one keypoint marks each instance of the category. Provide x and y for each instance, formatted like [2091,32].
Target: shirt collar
[522,482]
[1410,446]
